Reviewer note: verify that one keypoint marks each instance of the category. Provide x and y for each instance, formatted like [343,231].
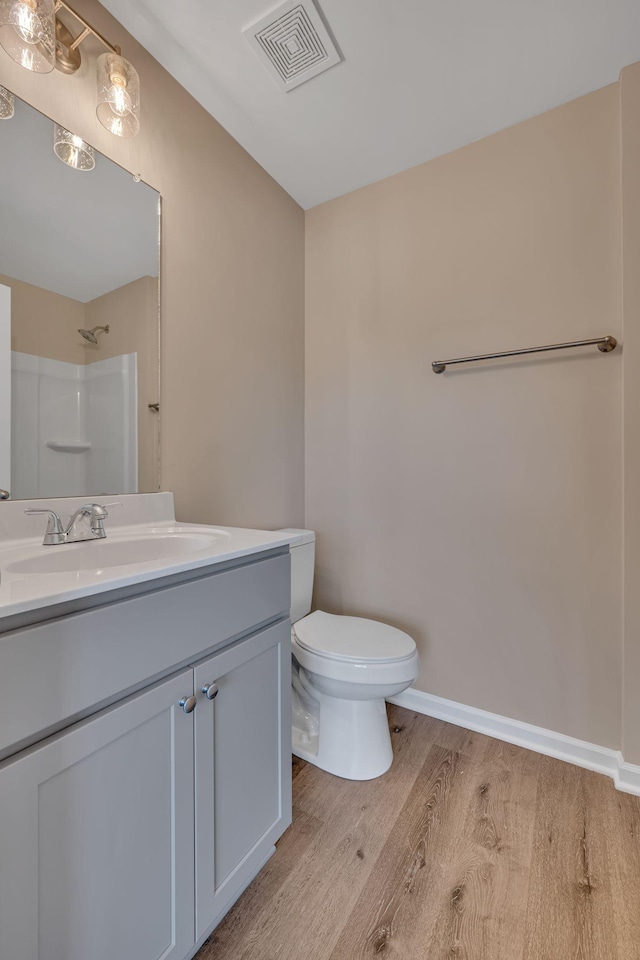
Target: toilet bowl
[343,669]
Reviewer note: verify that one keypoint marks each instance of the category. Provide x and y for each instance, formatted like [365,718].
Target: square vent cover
[293,43]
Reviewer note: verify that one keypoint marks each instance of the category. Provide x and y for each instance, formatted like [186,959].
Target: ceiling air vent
[293,43]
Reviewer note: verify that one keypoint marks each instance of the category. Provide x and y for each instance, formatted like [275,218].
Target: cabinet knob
[188,704]
[210,690]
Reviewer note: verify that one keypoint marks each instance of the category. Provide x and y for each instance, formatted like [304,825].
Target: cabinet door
[243,766]
[96,836]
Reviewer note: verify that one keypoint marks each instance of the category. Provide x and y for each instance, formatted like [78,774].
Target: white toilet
[343,668]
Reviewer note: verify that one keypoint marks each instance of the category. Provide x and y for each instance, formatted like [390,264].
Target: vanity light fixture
[118,95]
[27,33]
[7,104]
[33,34]
[72,149]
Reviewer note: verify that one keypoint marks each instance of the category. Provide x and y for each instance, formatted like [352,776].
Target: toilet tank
[303,551]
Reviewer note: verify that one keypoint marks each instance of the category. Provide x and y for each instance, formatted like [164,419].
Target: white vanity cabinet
[129,834]
[243,766]
[96,836]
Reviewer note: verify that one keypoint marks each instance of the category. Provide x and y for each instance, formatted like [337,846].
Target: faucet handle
[100,509]
[99,514]
[55,532]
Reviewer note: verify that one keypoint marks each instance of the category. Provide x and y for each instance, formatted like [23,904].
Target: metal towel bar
[604,344]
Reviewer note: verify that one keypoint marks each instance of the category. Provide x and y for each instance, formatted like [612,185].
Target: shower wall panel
[74,428]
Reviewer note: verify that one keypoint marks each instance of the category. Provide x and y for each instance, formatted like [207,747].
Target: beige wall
[630,103]
[131,312]
[44,323]
[232,293]
[480,510]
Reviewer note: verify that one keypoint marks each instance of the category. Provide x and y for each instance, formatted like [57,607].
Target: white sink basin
[143,543]
[93,555]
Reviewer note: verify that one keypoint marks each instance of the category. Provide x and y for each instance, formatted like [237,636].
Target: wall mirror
[79,316]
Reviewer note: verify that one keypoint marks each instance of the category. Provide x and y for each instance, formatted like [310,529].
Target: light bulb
[120,101]
[28,26]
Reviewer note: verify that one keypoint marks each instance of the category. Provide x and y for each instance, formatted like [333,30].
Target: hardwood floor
[468,849]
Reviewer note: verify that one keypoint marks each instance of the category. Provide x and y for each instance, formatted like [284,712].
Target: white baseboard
[626,776]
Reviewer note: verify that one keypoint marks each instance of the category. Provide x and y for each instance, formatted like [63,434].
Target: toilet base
[352,739]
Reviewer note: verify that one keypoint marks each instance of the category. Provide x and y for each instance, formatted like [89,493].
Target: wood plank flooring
[468,849]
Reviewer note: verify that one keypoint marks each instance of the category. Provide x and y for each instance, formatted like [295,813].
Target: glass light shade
[118,95]
[28,33]
[72,149]
[7,104]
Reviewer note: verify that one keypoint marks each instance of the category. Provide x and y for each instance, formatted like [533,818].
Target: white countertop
[22,591]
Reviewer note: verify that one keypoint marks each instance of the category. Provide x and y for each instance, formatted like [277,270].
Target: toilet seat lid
[352,638]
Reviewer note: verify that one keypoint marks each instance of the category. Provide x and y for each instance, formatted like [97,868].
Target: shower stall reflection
[74,426]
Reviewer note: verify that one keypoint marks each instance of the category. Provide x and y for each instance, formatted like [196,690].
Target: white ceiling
[80,234]
[419,78]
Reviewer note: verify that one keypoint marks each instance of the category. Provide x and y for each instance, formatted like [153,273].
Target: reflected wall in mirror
[79,319]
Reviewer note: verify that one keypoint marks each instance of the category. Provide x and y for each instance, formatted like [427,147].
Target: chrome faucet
[87,523]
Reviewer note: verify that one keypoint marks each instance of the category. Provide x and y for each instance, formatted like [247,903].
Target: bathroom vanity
[144,732]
